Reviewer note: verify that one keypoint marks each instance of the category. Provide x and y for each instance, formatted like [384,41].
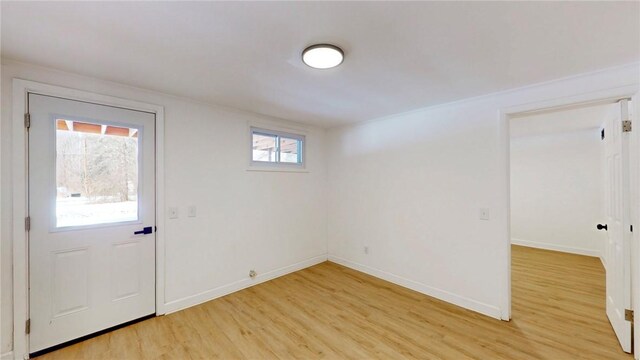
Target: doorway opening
[569,175]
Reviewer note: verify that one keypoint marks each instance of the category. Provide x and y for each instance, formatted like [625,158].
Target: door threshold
[87,337]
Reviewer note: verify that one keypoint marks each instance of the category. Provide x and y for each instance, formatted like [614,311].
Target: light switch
[484,214]
[173,213]
[192,211]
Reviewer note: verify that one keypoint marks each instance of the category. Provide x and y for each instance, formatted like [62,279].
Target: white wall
[410,187]
[268,221]
[557,191]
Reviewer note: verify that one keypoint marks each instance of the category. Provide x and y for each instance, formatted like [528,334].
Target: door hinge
[27,121]
[626,126]
[27,326]
[27,223]
[602,134]
[628,315]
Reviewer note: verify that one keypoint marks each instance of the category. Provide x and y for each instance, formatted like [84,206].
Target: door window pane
[96,173]
[264,147]
[290,150]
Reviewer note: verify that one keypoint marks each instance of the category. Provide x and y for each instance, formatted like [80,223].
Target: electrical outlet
[191,211]
[366,250]
[173,212]
[253,274]
[484,214]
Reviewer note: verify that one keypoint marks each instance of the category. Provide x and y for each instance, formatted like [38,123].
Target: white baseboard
[7,356]
[183,303]
[467,303]
[561,248]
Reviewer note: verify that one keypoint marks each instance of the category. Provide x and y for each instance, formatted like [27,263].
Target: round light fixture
[322,56]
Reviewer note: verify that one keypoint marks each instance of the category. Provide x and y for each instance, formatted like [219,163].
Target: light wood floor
[332,312]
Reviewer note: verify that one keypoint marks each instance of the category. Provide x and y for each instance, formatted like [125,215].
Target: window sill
[277,169]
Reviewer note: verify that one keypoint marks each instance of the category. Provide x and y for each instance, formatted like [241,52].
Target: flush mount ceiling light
[322,56]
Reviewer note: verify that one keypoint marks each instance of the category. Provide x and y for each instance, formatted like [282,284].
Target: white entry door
[92,216]
[617,249]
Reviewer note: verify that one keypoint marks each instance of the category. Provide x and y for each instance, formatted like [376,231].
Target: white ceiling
[399,56]
[560,121]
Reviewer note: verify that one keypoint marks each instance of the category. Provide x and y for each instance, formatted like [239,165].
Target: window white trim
[277,165]
[267,168]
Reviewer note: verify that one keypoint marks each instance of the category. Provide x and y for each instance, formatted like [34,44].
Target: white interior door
[617,249]
[91,188]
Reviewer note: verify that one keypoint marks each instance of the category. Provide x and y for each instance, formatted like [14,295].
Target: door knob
[600,227]
[145,231]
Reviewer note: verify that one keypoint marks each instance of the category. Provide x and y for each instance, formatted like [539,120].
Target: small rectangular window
[269,147]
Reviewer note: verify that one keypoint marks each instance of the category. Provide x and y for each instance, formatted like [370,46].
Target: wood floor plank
[332,312]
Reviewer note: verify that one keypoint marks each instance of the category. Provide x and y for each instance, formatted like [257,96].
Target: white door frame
[21,88]
[505,114]
[634,185]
